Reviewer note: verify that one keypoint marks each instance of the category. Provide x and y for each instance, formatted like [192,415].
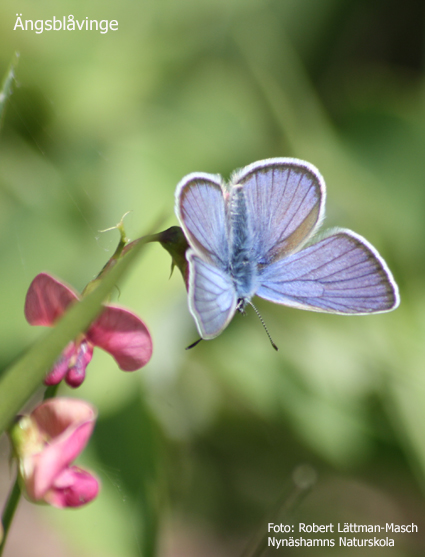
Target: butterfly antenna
[264,325]
[193,344]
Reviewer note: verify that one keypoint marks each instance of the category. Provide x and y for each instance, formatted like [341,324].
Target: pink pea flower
[45,443]
[117,330]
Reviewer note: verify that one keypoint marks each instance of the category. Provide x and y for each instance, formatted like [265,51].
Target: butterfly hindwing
[212,296]
[342,273]
[285,199]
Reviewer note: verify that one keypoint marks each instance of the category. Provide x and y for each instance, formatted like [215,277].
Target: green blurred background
[197,449]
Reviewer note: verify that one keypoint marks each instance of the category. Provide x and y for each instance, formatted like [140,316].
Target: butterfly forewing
[212,296]
[285,198]
[200,207]
[342,273]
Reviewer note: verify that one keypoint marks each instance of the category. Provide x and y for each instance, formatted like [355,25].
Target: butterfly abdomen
[242,265]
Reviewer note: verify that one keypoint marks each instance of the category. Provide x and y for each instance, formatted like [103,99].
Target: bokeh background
[197,451]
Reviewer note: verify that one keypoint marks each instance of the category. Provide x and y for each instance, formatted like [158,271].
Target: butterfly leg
[240,306]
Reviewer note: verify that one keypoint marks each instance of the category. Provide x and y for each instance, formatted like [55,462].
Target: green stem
[148,238]
[123,247]
[9,511]
[117,253]
[51,391]
[304,478]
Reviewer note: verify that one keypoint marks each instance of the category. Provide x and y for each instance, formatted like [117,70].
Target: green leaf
[22,379]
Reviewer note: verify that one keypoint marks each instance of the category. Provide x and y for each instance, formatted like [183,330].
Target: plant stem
[304,477]
[9,511]
[51,391]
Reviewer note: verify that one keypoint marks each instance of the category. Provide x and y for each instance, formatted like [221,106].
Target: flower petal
[67,424]
[55,416]
[47,299]
[124,335]
[73,488]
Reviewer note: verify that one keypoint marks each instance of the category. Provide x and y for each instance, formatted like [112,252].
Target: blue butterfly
[248,238]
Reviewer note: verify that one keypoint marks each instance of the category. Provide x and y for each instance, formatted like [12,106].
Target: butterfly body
[247,238]
[242,266]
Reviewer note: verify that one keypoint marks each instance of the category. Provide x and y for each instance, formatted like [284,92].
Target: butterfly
[253,237]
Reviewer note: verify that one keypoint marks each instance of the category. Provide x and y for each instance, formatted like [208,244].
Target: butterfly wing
[200,208]
[285,201]
[342,273]
[212,296]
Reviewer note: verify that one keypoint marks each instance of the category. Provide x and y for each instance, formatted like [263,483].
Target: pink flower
[46,442]
[117,330]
